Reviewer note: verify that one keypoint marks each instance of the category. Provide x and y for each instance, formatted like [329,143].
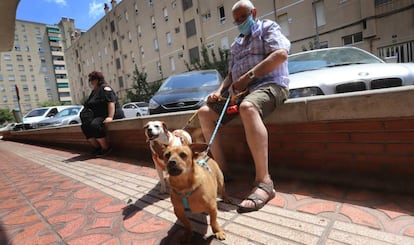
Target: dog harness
[184,196]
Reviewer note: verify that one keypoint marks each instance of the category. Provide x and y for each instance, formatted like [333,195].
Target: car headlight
[305,92]
[153,104]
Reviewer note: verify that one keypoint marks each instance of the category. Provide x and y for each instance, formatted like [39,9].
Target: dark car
[185,91]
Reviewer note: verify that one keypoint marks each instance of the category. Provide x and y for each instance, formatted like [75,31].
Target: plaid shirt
[248,51]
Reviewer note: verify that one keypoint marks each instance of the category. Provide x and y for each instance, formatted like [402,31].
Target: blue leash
[218,123]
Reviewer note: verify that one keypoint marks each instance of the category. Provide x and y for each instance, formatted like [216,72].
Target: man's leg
[208,118]
[257,140]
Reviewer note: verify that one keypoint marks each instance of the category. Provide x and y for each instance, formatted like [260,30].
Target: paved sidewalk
[50,196]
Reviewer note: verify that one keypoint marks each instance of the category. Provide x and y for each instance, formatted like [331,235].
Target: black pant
[95,129]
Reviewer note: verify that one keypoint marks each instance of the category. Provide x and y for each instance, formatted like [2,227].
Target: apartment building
[159,36]
[35,66]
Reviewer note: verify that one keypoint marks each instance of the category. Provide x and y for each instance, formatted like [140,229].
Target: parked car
[186,91]
[67,116]
[342,70]
[36,115]
[135,109]
[7,127]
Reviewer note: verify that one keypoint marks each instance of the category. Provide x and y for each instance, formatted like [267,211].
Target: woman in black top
[103,102]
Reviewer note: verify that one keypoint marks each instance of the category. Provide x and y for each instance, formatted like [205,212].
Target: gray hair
[243,3]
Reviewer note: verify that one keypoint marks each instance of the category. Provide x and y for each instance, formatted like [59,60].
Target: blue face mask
[245,28]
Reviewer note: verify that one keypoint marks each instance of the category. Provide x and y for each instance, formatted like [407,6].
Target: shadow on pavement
[82,157]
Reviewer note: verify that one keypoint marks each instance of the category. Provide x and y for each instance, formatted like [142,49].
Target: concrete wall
[364,139]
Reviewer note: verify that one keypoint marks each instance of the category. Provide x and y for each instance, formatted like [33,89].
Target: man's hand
[213,97]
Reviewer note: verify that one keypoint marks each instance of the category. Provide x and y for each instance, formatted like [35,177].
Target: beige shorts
[265,98]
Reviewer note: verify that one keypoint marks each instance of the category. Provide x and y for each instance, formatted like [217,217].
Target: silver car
[67,116]
[343,70]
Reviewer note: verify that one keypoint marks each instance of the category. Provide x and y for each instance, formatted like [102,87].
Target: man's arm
[269,64]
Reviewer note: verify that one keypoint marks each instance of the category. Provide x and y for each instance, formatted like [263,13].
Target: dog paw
[220,235]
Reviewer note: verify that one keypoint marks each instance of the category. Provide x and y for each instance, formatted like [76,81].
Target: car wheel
[138,114]
[73,122]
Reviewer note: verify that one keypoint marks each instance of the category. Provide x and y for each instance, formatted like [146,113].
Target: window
[37,31]
[7,57]
[112,26]
[118,63]
[1,77]
[351,39]
[5,98]
[39,40]
[153,21]
[190,28]
[30,67]
[121,81]
[139,31]
[165,11]
[27,48]
[194,55]
[21,67]
[2,88]
[16,37]
[9,67]
[159,68]
[380,2]
[25,87]
[19,57]
[141,48]
[126,16]
[284,24]
[222,15]
[168,37]
[23,78]
[17,47]
[12,78]
[115,44]
[25,38]
[150,3]
[156,45]
[174,4]
[320,12]
[187,4]
[172,64]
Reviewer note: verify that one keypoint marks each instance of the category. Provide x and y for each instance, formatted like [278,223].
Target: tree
[49,103]
[220,65]
[6,116]
[142,90]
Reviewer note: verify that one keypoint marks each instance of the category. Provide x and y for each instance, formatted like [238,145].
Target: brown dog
[195,181]
[160,137]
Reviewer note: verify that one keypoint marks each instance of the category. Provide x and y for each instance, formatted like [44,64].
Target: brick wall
[366,139]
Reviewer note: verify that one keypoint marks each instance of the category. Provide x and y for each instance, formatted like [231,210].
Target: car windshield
[191,80]
[36,113]
[68,112]
[322,58]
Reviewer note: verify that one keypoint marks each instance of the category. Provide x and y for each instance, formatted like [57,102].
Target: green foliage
[49,103]
[221,64]
[141,89]
[6,116]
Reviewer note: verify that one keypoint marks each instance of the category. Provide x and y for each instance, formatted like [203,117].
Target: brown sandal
[258,200]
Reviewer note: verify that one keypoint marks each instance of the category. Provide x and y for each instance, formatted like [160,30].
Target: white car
[135,109]
[34,116]
[342,70]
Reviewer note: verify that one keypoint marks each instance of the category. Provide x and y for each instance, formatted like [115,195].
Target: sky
[85,12]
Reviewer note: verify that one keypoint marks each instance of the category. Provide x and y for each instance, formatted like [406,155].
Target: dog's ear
[146,125]
[164,125]
[197,148]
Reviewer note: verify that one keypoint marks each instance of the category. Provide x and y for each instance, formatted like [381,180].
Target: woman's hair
[96,75]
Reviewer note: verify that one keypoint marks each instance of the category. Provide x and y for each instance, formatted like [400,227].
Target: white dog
[160,137]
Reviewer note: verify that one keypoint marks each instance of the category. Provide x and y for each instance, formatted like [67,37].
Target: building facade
[160,36]
[34,71]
